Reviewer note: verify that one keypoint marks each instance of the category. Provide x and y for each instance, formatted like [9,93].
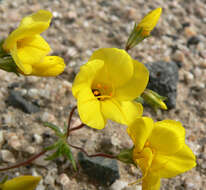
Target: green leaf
[58,152]
[65,127]
[53,146]
[54,155]
[67,152]
[54,128]
[4,179]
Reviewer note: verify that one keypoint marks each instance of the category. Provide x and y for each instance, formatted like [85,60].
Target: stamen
[147,143]
[96,92]
[99,85]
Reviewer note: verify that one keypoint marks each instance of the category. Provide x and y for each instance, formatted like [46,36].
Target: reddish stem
[76,128]
[70,119]
[93,155]
[25,162]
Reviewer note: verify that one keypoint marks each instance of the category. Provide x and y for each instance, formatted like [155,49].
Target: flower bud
[21,183]
[126,156]
[144,28]
[154,99]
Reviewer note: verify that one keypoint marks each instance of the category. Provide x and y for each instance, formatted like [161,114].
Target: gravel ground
[78,28]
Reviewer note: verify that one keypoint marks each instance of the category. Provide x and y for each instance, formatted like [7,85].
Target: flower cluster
[159,150]
[106,87]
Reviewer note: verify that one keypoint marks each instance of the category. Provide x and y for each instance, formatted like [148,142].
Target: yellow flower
[21,183]
[149,21]
[106,85]
[29,50]
[159,150]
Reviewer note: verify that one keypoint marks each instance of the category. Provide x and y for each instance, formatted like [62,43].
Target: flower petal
[143,159]
[86,75]
[42,16]
[32,50]
[136,85]
[151,182]
[132,110]
[170,166]
[22,182]
[121,112]
[49,66]
[25,68]
[111,109]
[167,137]
[89,109]
[30,26]
[139,131]
[118,68]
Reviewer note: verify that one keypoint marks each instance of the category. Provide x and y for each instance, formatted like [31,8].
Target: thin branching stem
[93,155]
[77,127]
[70,119]
[25,162]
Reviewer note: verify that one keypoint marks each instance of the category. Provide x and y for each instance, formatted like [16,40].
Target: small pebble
[119,184]
[63,179]
[67,85]
[8,119]
[198,72]
[189,32]
[1,137]
[14,141]
[189,77]
[38,138]
[203,64]
[30,149]
[178,56]
[33,93]
[7,156]
[47,117]
[51,176]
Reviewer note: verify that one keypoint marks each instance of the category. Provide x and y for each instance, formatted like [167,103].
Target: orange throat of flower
[102,92]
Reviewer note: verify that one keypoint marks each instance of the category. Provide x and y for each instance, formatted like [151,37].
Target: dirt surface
[78,28]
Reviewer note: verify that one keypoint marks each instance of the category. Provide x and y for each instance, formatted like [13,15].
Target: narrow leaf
[67,152]
[54,128]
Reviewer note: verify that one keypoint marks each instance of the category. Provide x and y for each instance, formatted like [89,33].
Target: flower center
[102,92]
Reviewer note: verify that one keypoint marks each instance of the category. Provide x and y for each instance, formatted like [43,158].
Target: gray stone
[163,80]
[102,170]
[16,100]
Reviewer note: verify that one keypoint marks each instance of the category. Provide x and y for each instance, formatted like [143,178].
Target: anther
[96,92]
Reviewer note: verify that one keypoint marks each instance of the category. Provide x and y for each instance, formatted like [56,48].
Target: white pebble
[51,176]
[1,137]
[63,179]
[13,141]
[30,149]
[7,156]
[189,77]
[38,138]
[33,93]
[119,185]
